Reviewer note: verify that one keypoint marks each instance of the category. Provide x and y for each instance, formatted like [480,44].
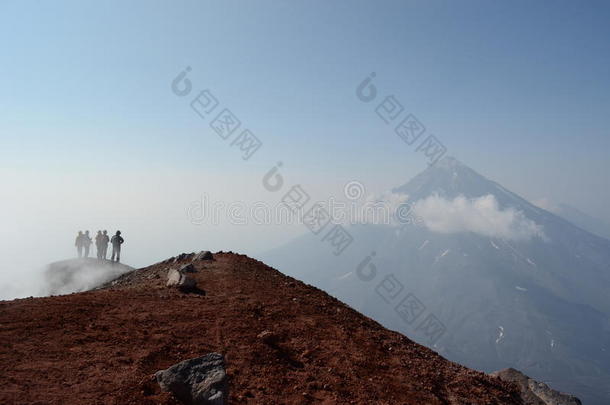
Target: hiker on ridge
[79,243]
[87,243]
[99,238]
[105,242]
[117,241]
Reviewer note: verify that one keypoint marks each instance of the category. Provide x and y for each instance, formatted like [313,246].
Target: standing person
[98,244]
[117,241]
[87,243]
[105,242]
[79,244]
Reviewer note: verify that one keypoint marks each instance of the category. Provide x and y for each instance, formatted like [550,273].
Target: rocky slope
[535,392]
[104,346]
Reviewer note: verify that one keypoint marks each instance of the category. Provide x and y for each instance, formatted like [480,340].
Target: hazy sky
[92,136]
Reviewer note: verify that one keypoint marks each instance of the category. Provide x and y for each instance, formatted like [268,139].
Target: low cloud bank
[480,215]
[65,277]
[78,275]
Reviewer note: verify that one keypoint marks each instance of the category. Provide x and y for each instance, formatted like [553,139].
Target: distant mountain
[514,285]
[585,221]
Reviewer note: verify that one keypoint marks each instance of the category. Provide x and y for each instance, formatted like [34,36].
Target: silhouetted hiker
[98,244]
[87,243]
[79,243]
[105,242]
[116,241]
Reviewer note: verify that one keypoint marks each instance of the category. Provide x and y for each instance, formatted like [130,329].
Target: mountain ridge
[104,345]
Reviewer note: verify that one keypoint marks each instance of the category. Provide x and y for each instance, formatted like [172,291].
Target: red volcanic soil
[103,346]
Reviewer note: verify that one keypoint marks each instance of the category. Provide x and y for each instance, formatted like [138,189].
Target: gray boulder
[182,256]
[199,381]
[176,278]
[203,255]
[188,268]
[534,392]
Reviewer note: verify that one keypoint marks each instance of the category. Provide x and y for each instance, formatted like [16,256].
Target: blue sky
[518,90]
[495,81]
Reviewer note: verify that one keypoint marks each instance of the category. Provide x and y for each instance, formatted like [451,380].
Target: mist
[70,276]
[479,215]
[42,213]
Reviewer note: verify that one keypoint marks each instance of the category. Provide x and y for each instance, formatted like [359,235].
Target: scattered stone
[173,277]
[188,268]
[269,337]
[199,381]
[534,392]
[203,255]
[181,281]
[182,256]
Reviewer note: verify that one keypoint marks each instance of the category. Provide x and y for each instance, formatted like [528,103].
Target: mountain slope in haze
[585,221]
[103,346]
[528,291]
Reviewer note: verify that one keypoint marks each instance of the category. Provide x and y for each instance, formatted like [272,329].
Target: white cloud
[480,215]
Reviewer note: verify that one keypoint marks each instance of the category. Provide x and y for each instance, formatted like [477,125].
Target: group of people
[83,244]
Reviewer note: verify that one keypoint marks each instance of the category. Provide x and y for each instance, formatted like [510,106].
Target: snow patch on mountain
[500,334]
[440,256]
[478,215]
[343,277]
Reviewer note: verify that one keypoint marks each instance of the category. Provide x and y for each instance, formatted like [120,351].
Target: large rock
[203,255]
[199,381]
[182,257]
[188,268]
[534,392]
[177,279]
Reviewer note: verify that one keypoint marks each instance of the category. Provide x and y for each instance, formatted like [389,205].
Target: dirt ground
[103,346]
